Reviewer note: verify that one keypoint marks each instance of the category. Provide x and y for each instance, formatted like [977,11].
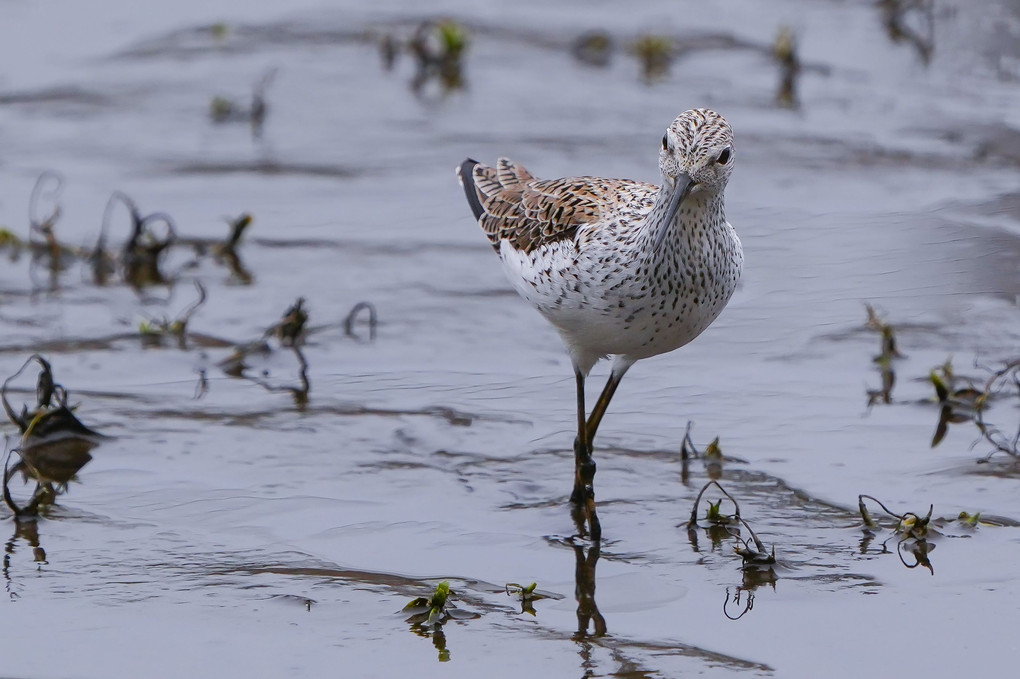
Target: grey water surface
[235,530]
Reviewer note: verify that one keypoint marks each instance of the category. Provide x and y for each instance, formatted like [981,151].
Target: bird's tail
[465,173]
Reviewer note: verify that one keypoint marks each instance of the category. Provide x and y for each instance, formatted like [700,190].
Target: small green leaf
[970,519]
[941,390]
[420,602]
[453,38]
[9,238]
[439,597]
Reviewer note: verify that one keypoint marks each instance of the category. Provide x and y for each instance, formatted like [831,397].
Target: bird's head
[696,158]
[699,144]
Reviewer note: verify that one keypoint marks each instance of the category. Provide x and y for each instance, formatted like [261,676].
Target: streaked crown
[699,143]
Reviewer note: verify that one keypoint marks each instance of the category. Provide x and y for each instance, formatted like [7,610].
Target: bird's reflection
[588,615]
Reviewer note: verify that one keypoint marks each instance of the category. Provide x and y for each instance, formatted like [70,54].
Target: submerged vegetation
[785,52]
[655,54]
[54,444]
[436,47]
[960,398]
[964,400]
[911,533]
[429,614]
[226,110]
[751,550]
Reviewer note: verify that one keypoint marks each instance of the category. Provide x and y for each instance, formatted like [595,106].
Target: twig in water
[352,316]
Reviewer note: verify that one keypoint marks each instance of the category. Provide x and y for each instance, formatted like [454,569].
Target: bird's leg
[584,466]
[600,406]
[582,445]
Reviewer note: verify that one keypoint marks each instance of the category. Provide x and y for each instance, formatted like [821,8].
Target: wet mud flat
[271,492]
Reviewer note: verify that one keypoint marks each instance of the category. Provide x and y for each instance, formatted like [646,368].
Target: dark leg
[582,444]
[604,398]
[584,466]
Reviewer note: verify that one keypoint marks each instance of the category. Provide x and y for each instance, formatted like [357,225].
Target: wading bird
[620,268]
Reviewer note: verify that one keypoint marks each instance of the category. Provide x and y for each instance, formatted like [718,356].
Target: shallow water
[243,533]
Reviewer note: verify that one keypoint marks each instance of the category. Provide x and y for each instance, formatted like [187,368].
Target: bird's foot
[583,495]
[585,518]
[584,473]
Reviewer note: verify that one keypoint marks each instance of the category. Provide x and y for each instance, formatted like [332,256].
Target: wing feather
[530,213]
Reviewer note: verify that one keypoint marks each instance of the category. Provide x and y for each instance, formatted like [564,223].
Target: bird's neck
[700,220]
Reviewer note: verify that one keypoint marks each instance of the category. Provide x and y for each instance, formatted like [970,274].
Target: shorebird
[621,268]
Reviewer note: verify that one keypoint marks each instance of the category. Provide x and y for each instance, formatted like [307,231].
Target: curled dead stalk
[45,389]
[30,509]
[50,184]
[352,317]
[911,528]
[697,502]
[1009,373]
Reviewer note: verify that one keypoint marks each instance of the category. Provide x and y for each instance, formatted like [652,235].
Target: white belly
[601,307]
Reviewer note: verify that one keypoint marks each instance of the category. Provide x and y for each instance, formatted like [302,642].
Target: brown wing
[511,204]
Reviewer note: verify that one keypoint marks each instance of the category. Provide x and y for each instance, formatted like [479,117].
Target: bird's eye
[665,142]
[724,157]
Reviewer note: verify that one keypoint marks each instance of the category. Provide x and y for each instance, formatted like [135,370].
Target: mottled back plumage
[510,204]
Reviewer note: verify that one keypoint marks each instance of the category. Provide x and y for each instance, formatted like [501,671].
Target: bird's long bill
[681,189]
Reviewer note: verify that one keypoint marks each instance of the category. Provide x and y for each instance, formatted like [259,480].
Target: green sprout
[221,109]
[452,39]
[914,526]
[442,592]
[9,239]
[970,519]
[155,328]
[784,51]
[785,47]
[523,592]
[435,605]
[714,514]
[941,389]
[655,53]
[526,595]
[594,48]
[911,533]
